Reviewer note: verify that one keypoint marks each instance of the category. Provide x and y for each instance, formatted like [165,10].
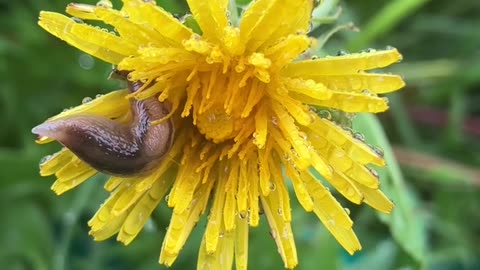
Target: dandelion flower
[212,121]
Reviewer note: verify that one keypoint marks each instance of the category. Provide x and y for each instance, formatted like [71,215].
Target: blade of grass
[386,19]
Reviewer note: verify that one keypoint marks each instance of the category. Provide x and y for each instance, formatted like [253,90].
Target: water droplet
[242,214]
[303,135]
[98,95]
[44,159]
[272,186]
[378,151]
[339,154]
[167,197]
[221,235]
[359,136]
[349,130]
[86,61]
[369,50]
[280,211]
[274,120]
[314,57]
[105,4]
[77,20]
[373,172]
[86,100]
[331,222]
[388,48]
[347,210]
[341,53]
[367,92]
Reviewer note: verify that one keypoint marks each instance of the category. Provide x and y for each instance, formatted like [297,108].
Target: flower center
[225,89]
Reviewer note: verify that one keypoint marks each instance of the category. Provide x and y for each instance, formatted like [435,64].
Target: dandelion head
[213,120]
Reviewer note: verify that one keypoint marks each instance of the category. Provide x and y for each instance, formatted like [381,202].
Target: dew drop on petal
[341,53]
[242,214]
[359,136]
[378,151]
[44,159]
[77,20]
[105,4]
[272,186]
[86,100]
[274,121]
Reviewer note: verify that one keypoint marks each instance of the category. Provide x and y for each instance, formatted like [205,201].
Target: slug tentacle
[112,147]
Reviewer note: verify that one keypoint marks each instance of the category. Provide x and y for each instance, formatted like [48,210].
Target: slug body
[114,148]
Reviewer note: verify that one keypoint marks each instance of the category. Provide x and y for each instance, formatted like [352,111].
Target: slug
[114,148]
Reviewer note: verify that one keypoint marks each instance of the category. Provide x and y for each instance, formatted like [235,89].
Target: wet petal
[266,21]
[341,65]
[96,42]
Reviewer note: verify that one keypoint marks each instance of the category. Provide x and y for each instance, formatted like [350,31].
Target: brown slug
[114,148]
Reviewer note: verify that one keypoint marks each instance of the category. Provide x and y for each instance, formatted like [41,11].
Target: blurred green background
[430,137]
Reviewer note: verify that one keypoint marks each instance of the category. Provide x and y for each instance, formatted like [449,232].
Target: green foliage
[435,224]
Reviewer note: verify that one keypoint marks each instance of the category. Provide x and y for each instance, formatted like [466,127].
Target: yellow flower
[241,106]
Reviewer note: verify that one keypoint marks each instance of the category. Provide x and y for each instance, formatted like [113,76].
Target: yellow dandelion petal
[265,22]
[104,224]
[376,199]
[222,257]
[129,30]
[307,88]
[279,194]
[241,244]
[82,11]
[332,215]
[100,106]
[142,13]
[129,197]
[71,175]
[140,213]
[184,188]
[229,210]
[346,187]
[211,15]
[55,162]
[374,82]
[181,224]
[345,64]
[102,44]
[281,231]
[287,50]
[113,182]
[324,133]
[300,189]
[215,219]
[253,192]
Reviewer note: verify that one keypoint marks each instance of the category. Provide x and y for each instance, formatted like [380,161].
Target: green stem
[233,11]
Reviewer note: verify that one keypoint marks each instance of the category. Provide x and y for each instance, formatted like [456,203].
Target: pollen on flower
[242,108]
